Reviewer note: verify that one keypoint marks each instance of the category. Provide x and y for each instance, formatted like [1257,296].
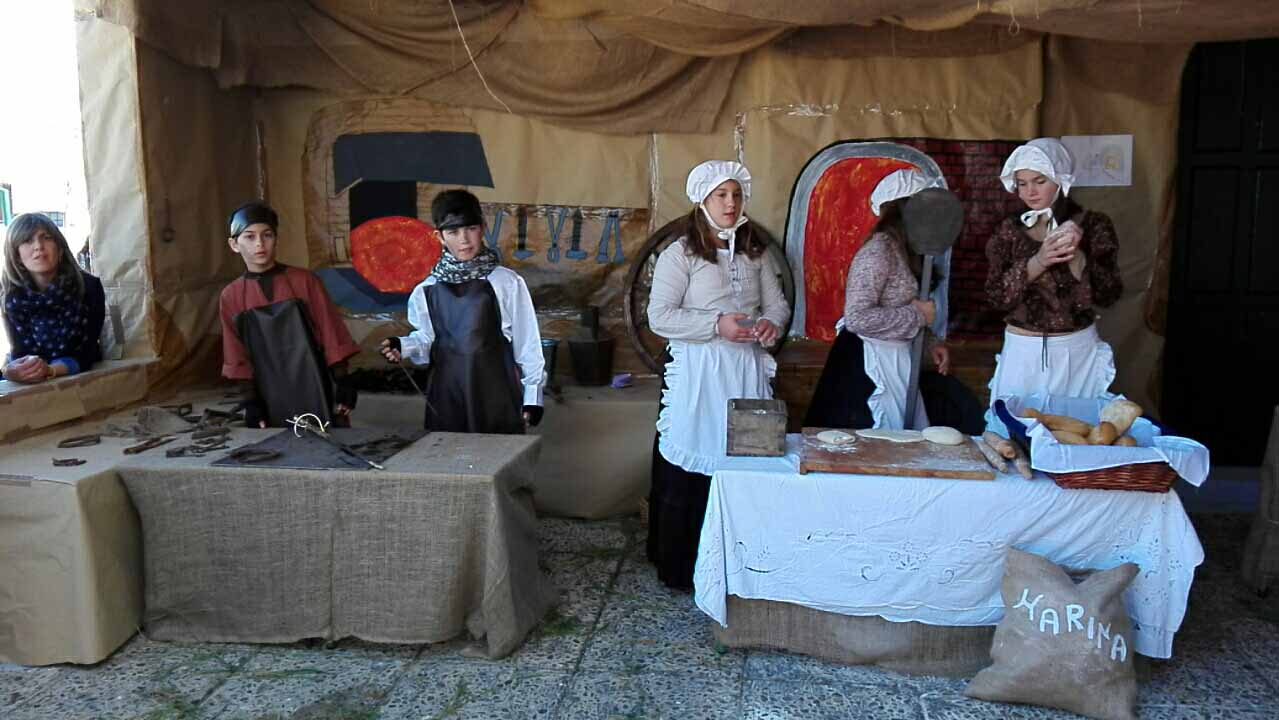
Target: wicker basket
[1146,477]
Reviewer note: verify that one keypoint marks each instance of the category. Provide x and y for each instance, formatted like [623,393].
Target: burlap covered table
[443,540]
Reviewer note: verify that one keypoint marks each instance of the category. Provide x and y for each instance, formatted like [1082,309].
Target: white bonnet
[899,184]
[1046,156]
[706,177]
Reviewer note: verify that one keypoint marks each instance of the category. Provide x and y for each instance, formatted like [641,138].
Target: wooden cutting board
[868,456]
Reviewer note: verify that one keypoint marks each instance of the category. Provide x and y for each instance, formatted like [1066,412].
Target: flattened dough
[943,435]
[835,437]
[900,436]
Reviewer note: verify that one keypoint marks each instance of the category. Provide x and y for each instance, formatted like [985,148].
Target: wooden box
[756,427]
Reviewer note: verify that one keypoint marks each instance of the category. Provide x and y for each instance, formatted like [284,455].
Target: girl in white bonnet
[718,300]
[1052,267]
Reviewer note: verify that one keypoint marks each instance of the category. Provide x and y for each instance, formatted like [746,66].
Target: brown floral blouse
[1057,301]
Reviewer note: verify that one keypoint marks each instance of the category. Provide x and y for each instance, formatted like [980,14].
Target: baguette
[1000,444]
[1065,437]
[1022,463]
[992,457]
[1103,433]
[1061,422]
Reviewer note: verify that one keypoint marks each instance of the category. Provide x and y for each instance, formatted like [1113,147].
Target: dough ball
[835,437]
[943,435]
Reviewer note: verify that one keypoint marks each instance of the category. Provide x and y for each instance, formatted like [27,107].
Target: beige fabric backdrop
[1139,95]
[114,176]
[774,108]
[199,156]
[562,59]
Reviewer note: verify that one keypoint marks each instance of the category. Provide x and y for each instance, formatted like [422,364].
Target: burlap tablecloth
[444,539]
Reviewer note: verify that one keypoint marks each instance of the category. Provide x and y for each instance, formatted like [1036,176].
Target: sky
[41,154]
[40,145]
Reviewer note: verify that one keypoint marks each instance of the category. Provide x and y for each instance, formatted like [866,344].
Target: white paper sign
[1100,160]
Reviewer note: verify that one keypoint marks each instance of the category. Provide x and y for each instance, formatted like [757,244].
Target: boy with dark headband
[476,328]
[281,331]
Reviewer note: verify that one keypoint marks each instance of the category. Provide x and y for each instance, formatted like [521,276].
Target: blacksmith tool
[148,444]
[80,441]
[180,410]
[67,462]
[933,219]
[310,422]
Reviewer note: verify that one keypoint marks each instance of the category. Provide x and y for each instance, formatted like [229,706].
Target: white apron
[887,365]
[1080,365]
[701,378]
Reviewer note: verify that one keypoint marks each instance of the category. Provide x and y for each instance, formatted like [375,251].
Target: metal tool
[148,444]
[80,441]
[310,422]
[413,382]
[933,219]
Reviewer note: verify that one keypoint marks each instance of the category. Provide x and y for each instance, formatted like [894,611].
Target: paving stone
[144,677]
[442,687]
[955,706]
[582,582]
[791,667]
[294,681]
[646,627]
[1259,642]
[652,654]
[765,700]
[1173,712]
[1209,680]
[1219,713]
[18,683]
[608,696]
[600,538]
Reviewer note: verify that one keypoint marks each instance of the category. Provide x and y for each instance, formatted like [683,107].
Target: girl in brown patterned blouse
[1051,268]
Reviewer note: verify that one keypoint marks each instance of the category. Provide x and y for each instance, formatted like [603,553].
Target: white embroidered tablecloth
[931,550]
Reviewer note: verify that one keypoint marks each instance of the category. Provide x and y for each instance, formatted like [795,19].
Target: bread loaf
[1126,441]
[1103,433]
[1121,414]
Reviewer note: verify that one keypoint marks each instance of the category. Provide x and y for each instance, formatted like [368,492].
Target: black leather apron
[474,384]
[288,365]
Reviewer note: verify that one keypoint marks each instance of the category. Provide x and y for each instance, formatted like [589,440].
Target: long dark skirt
[676,507]
[839,401]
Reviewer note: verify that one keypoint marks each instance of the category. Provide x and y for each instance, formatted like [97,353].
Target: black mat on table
[312,453]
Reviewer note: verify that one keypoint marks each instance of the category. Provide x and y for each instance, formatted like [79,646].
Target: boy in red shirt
[281,330]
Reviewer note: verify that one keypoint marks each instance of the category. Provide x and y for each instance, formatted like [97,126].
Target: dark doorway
[1220,379]
[372,199]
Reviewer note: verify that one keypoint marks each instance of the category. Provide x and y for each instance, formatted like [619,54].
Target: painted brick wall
[972,170]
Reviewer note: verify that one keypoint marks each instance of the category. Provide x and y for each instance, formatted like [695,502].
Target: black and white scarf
[51,324]
[451,270]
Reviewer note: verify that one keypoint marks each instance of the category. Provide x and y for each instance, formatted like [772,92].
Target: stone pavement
[622,646]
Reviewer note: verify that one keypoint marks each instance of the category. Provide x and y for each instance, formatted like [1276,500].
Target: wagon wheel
[650,346]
